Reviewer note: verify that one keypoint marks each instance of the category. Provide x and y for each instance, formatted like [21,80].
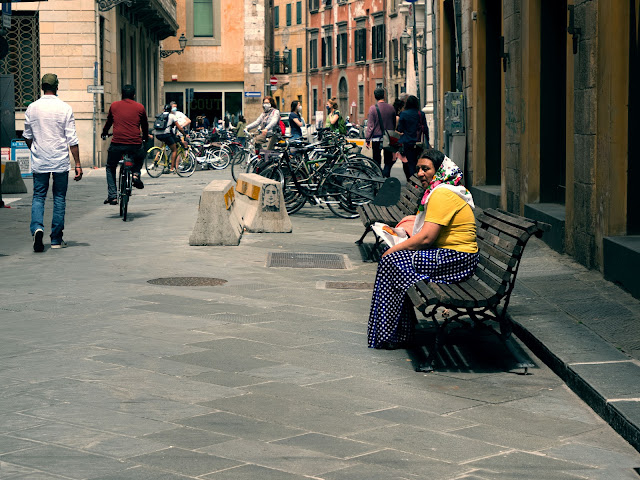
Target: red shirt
[128,118]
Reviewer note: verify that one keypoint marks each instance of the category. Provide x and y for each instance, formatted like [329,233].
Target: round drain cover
[188,281]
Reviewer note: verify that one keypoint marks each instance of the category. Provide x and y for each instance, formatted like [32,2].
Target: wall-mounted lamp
[404,39]
[183,43]
[397,67]
[504,55]
[572,29]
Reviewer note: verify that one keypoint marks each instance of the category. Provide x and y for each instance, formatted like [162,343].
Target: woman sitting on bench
[442,249]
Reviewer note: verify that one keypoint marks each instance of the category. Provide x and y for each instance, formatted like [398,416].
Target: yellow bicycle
[158,161]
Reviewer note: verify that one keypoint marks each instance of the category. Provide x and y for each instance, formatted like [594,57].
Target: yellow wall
[224,63]
[530,138]
[612,131]
[479,95]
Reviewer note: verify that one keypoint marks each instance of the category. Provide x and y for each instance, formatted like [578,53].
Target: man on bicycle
[167,135]
[129,120]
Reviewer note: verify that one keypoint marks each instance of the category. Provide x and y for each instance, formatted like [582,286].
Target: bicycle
[125,184]
[157,161]
[326,179]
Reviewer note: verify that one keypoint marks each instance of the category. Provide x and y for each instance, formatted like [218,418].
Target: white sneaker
[60,245]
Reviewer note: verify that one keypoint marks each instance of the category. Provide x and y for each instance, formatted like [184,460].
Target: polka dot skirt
[392,318]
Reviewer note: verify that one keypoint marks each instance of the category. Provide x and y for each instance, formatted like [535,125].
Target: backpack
[423,129]
[162,119]
[342,125]
[282,127]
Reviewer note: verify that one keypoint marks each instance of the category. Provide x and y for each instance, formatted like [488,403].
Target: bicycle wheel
[346,188]
[243,166]
[365,162]
[123,193]
[293,198]
[185,164]
[218,158]
[155,161]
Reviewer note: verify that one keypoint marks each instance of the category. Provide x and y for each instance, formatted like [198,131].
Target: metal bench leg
[361,239]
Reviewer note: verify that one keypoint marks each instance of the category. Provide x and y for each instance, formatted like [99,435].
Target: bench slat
[505,243]
[425,290]
[521,222]
[491,282]
[498,270]
[489,249]
[480,298]
[456,292]
[515,232]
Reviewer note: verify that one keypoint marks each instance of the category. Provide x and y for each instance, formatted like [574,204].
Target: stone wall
[513,103]
[585,130]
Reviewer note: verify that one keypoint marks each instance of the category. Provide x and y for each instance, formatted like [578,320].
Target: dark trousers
[376,149]
[115,154]
[410,151]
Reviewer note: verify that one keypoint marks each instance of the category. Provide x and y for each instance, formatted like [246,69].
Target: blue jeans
[59,190]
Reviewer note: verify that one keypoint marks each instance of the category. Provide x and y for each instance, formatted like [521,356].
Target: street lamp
[285,61]
[183,43]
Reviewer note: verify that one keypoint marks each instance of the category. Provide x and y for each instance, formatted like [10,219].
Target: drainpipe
[434,62]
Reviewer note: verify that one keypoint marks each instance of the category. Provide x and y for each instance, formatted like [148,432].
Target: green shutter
[288,14]
[299,13]
[299,59]
[202,18]
[276,17]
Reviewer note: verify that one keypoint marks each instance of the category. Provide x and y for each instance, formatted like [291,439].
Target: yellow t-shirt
[458,230]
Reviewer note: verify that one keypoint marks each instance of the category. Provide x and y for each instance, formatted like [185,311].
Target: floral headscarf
[448,176]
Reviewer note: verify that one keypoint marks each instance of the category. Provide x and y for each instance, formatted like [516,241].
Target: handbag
[389,137]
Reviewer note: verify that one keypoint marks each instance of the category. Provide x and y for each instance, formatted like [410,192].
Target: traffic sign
[353,104]
[95,88]
[273,81]
[252,94]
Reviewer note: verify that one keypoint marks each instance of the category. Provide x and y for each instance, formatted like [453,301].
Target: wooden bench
[485,297]
[408,203]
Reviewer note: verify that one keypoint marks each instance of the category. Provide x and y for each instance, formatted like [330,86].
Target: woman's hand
[423,240]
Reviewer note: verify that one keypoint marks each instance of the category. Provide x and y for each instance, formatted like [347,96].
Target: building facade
[550,117]
[85,43]
[287,59]
[356,46]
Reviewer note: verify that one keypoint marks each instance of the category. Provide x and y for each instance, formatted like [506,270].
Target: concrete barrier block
[218,220]
[261,204]
[12,179]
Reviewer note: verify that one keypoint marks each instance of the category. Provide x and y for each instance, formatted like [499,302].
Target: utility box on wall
[455,139]
[454,113]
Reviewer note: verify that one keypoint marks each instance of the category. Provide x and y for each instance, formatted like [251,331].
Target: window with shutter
[202,18]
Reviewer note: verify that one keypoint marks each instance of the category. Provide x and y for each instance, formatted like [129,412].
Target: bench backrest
[501,238]
[410,196]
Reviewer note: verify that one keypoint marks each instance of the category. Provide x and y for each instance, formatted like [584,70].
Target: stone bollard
[218,222]
[261,204]
[12,179]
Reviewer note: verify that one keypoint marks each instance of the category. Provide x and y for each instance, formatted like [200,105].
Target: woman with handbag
[409,125]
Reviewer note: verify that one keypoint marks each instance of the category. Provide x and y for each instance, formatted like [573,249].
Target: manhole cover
[349,285]
[306,260]
[188,281]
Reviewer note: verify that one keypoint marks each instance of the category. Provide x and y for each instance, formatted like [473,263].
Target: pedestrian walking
[240,133]
[50,132]
[410,126]
[375,131]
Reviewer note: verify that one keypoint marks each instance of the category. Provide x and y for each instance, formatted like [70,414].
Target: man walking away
[50,132]
[375,131]
[128,118]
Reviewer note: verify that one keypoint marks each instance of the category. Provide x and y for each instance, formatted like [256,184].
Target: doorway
[633,156]
[553,68]
[494,108]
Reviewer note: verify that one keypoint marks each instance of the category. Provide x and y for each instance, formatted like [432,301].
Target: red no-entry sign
[273,81]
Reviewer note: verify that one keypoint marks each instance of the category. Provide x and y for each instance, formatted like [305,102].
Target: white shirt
[181,118]
[50,124]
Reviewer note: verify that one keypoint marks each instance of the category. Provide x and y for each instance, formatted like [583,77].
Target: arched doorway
[343,95]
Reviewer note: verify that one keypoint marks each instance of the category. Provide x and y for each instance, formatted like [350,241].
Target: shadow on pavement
[476,350]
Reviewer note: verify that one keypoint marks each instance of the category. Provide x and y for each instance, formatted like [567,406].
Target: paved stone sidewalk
[106,376]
